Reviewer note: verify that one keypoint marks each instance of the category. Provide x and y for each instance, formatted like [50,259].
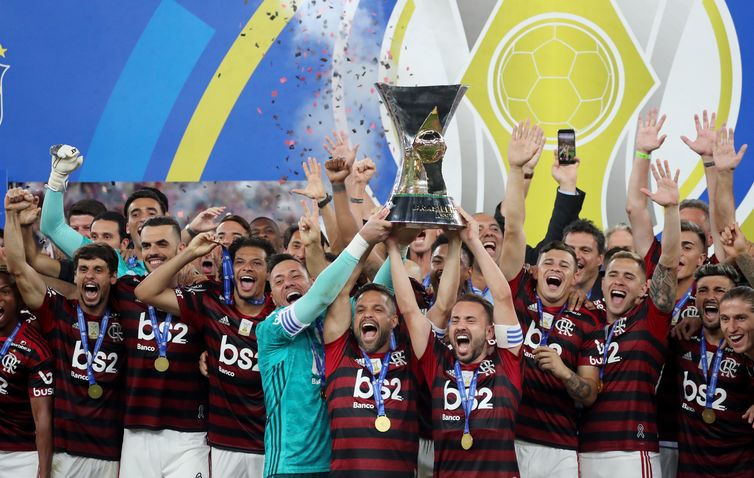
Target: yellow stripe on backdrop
[226,85]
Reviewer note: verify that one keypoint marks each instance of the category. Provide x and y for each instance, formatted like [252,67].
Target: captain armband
[508,336]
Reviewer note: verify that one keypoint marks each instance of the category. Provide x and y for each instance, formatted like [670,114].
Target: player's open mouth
[292,297]
[207,267]
[711,310]
[369,331]
[246,283]
[736,340]
[618,297]
[490,246]
[553,281]
[463,342]
[91,291]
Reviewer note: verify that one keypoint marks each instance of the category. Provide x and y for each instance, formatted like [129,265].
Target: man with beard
[714,390]
[618,435]
[475,388]
[291,358]
[88,354]
[560,355]
[588,242]
[166,395]
[26,390]
[236,402]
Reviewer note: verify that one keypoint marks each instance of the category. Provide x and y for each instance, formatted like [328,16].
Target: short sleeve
[512,365]
[41,377]
[45,314]
[334,353]
[191,302]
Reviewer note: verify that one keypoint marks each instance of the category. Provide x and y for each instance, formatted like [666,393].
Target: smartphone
[566,146]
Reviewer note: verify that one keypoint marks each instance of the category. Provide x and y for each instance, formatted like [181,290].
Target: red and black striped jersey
[358,448]
[724,448]
[175,399]
[547,414]
[25,373]
[493,415]
[84,426]
[236,400]
[624,417]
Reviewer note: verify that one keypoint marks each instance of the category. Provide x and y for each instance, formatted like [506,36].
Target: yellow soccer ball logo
[561,74]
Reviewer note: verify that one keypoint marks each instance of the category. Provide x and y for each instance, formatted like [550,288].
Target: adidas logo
[687,356]
[533,307]
[224,321]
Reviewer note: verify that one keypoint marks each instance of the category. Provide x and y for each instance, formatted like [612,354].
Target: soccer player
[476,386]
[236,402]
[560,355]
[87,349]
[618,434]
[26,390]
[166,396]
[291,359]
[715,390]
[737,320]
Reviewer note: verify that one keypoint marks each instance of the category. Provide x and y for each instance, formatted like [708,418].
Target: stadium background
[244,90]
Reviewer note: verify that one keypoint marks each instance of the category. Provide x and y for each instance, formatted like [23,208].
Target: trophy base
[424,211]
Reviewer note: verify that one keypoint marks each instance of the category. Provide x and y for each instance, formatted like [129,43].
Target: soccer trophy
[421,115]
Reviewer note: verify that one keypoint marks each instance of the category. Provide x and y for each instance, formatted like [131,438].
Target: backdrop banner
[193,91]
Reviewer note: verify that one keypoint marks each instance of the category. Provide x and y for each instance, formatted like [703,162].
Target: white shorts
[535,461]
[164,454]
[71,466]
[620,464]
[426,460]
[18,464]
[669,460]
[236,464]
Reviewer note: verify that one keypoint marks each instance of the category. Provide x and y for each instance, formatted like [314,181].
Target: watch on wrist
[324,201]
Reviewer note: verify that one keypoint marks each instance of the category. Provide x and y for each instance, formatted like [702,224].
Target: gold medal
[466,441]
[708,415]
[95,391]
[382,424]
[161,364]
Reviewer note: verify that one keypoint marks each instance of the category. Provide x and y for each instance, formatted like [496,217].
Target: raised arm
[308,227]
[338,169]
[704,145]
[419,327]
[65,160]
[41,411]
[315,190]
[665,278]
[447,290]
[725,159]
[29,282]
[526,140]
[155,289]
[738,249]
[340,313]
[648,139]
[203,222]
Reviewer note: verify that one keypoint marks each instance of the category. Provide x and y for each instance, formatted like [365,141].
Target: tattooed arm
[745,262]
[580,385]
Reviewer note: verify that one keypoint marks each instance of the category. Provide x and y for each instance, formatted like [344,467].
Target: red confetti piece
[283,80]
[309,130]
[274,93]
[290,142]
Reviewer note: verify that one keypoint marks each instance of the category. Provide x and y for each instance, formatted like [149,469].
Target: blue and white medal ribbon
[161,363]
[382,422]
[546,328]
[95,390]
[9,340]
[227,277]
[708,415]
[467,401]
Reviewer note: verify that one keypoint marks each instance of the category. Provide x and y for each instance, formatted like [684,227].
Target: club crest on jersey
[620,327]
[115,332]
[729,367]
[10,362]
[487,367]
[398,358]
[565,326]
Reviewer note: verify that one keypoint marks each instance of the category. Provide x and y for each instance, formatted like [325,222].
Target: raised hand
[28,216]
[202,244]
[724,151]
[363,170]
[648,136]
[527,141]
[339,147]
[315,188]
[667,185]
[337,170]
[205,220]
[733,240]
[18,199]
[308,225]
[377,229]
[65,160]
[705,135]
[470,233]
[565,174]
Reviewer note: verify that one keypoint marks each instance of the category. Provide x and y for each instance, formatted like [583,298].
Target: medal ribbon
[608,341]
[319,359]
[227,277]
[473,289]
[679,305]
[712,381]
[85,340]
[159,337]
[546,332]
[9,340]
[378,381]
[466,400]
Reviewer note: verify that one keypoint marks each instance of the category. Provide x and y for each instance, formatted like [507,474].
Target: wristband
[190,231]
[324,201]
[641,155]
[338,187]
[508,336]
[357,247]
[357,200]
[708,165]
[528,175]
